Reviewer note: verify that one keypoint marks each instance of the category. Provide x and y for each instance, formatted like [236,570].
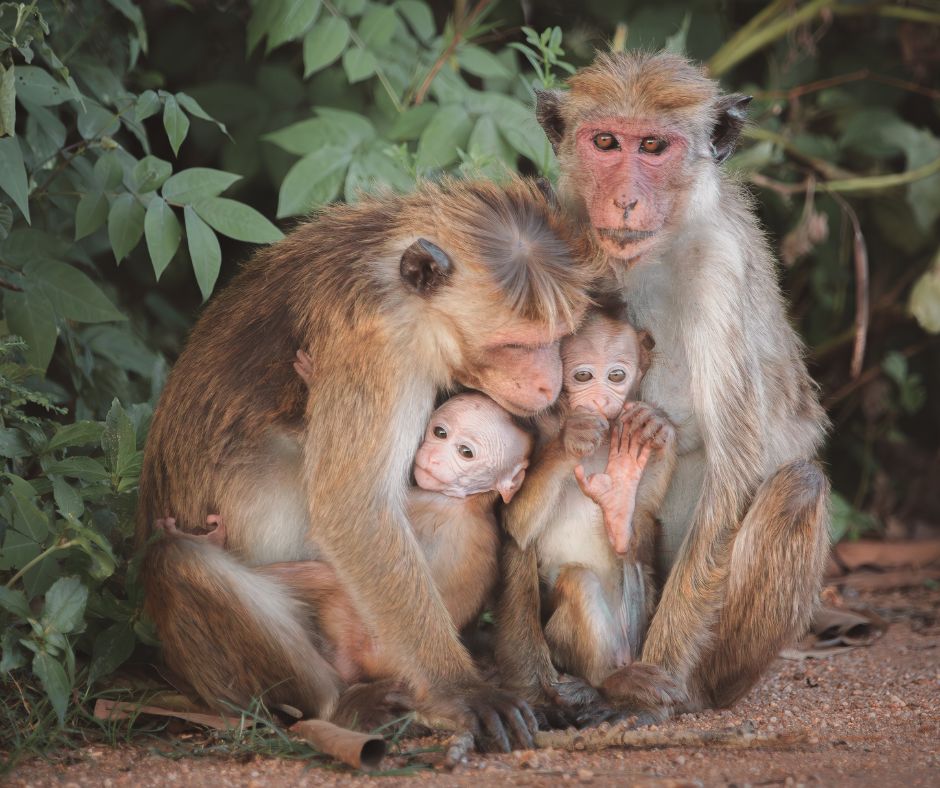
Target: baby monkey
[589,507]
[473,453]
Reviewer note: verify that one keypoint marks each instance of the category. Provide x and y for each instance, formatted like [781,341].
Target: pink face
[601,365]
[521,371]
[634,172]
[472,446]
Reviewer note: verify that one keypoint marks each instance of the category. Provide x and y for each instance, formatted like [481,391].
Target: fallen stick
[359,750]
[623,735]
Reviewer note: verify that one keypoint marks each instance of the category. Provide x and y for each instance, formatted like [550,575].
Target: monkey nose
[623,205]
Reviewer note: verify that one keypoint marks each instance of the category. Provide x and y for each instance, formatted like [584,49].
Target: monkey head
[497,281]
[603,364]
[472,446]
[636,136]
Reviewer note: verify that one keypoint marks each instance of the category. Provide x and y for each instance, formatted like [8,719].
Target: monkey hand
[584,431]
[644,425]
[494,717]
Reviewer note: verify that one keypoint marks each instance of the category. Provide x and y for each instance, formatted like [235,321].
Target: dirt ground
[873,715]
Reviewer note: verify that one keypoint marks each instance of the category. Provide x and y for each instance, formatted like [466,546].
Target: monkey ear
[548,113]
[732,115]
[508,486]
[424,266]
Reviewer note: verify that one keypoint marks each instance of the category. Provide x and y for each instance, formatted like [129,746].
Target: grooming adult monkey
[589,507]
[640,138]
[394,298]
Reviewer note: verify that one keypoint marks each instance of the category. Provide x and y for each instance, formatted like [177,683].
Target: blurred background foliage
[144,146]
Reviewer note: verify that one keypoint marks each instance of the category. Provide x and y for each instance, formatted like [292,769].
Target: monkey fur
[394,299]
[639,139]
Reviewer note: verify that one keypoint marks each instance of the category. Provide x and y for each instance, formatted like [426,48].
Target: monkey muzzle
[624,237]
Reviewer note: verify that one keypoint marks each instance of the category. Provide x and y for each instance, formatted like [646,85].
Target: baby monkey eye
[582,376]
[606,141]
[465,451]
[440,432]
[617,376]
[654,145]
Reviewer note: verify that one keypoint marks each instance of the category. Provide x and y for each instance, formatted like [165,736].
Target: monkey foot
[638,690]
[217,536]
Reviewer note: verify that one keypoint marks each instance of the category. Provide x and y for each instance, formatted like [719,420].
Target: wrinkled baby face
[472,446]
[601,364]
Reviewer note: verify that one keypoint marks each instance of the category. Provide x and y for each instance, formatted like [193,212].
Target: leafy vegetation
[145,146]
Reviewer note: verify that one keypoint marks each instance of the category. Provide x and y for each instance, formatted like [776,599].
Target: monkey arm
[533,506]
[728,408]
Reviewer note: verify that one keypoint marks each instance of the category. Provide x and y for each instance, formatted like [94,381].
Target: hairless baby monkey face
[472,446]
[602,363]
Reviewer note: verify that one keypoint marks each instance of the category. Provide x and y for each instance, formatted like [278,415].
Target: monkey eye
[465,451]
[654,145]
[440,432]
[606,141]
[583,376]
[617,375]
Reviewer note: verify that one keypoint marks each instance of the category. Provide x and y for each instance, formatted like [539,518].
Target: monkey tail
[233,634]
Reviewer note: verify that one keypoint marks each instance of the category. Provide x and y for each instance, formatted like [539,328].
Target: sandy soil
[873,713]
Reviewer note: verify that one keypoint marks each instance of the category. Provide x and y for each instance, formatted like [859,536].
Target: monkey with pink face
[472,455]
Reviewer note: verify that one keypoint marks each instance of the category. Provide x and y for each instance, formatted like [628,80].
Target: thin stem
[459,30]
[43,555]
[860,257]
[383,79]
[891,11]
[855,76]
[735,51]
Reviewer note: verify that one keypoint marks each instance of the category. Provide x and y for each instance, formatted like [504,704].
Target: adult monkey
[394,299]
[639,138]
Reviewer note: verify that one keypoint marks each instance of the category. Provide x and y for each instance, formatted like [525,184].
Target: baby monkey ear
[424,266]
[509,485]
[647,343]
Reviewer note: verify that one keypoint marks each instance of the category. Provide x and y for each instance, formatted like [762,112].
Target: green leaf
[14,443]
[195,109]
[97,121]
[163,232]
[31,316]
[204,251]
[324,43]
[175,122]
[196,184]
[375,170]
[80,433]
[677,41]
[314,180]
[125,225]
[85,468]
[113,646]
[65,605]
[6,220]
[409,124]
[448,130]
[332,128]
[895,367]
[28,518]
[292,22]
[108,172]
[15,602]
[377,26]
[7,101]
[237,220]
[150,173]
[90,213]
[481,63]
[359,64]
[13,656]
[924,302]
[38,86]
[18,550]
[13,174]
[72,294]
[419,16]
[118,441]
[136,17]
[486,142]
[148,105]
[54,681]
[67,501]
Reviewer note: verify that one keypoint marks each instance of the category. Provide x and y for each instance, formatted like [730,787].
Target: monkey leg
[775,571]
[232,633]
[582,632]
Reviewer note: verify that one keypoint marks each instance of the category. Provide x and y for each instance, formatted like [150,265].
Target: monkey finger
[522,727]
[494,730]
